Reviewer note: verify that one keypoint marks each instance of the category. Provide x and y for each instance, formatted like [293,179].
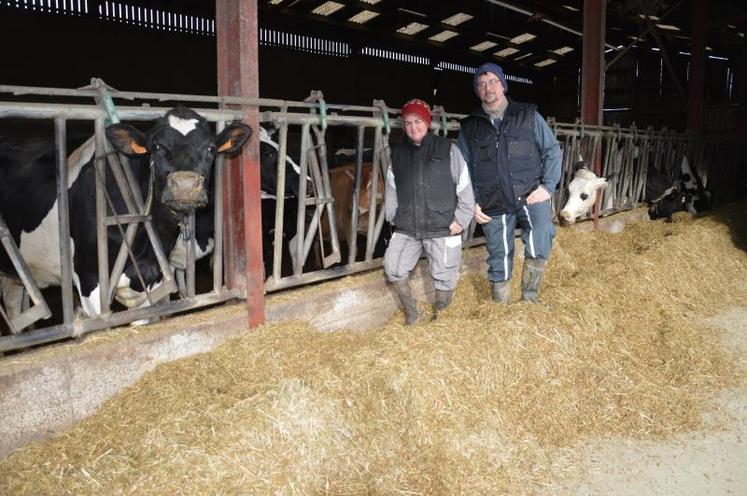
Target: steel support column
[697,68]
[592,77]
[238,75]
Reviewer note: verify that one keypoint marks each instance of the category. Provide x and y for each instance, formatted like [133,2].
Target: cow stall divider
[304,134]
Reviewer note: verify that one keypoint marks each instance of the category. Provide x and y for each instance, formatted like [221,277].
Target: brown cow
[342,182]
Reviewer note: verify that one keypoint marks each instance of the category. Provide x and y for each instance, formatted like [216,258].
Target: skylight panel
[457,19]
[506,52]
[412,28]
[522,38]
[443,36]
[562,50]
[363,16]
[485,45]
[327,8]
[544,63]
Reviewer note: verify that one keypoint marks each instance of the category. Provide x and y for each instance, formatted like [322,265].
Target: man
[429,201]
[515,163]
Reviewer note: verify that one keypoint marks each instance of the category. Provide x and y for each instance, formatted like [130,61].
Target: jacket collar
[426,139]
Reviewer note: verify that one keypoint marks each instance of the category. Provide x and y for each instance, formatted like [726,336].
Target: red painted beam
[592,75]
[697,68]
[238,75]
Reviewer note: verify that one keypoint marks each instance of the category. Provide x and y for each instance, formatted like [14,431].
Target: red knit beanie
[419,108]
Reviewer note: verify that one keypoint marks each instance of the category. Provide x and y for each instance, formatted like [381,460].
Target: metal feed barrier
[306,126]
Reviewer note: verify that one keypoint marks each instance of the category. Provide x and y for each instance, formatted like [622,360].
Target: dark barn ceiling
[497,25]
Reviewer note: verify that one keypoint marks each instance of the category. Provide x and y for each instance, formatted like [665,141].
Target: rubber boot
[443,299]
[409,304]
[531,277]
[501,291]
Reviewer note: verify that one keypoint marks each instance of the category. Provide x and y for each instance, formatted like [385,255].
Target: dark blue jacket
[508,160]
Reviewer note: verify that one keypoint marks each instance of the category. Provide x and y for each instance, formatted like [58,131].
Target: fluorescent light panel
[545,62]
[668,27]
[570,7]
[506,52]
[363,16]
[371,2]
[651,17]
[517,40]
[412,28]
[327,8]
[481,47]
[443,36]
[522,56]
[457,19]
[276,2]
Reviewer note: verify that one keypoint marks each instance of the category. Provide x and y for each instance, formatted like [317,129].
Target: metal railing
[624,155]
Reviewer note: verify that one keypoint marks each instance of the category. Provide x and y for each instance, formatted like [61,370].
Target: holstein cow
[204,217]
[582,193]
[685,194]
[179,150]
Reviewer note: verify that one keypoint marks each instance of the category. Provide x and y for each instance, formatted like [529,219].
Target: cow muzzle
[184,191]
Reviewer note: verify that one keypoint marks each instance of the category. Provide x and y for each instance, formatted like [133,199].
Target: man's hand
[455,228]
[480,217]
[538,195]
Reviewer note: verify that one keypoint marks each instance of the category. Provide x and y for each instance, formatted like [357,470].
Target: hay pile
[484,400]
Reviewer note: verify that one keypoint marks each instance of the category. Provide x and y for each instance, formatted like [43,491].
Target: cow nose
[566,218]
[185,190]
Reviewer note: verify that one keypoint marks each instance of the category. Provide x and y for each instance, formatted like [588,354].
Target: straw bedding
[484,400]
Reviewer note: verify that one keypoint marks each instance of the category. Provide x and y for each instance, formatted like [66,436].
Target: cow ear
[126,139]
[233,137]
[601,183]
[579,165]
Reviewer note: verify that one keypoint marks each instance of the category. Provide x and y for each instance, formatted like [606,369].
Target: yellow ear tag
[137,149]
[225,146]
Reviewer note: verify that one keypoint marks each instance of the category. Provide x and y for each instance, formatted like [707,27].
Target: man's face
[490,89]
[415,128]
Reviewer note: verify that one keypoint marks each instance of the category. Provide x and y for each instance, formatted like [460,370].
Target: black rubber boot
[443,299]
[409,304]
[501,291]
[531,277]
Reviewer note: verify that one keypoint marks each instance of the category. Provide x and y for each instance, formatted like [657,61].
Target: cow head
[182,150]
[582,193]
[673,200]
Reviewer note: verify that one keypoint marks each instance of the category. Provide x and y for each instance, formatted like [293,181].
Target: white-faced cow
[582,193]
[180,151]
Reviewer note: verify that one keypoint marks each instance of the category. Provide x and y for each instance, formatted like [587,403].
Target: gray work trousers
[444,257]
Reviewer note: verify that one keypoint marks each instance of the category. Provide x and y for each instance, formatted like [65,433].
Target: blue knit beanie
[495,69]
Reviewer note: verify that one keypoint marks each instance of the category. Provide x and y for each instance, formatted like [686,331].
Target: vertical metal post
[371,235]
[355,210]
[66,261]
[306,148]
[102,238]
[237,47]
[277,250]
[218,219]
[190,241]
[697,67]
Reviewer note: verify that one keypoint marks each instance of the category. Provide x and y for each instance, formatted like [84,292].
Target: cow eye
[584,196]
[211,148]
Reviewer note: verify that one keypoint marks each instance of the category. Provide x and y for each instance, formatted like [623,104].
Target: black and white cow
[686,193]
[204,218]
[180,150]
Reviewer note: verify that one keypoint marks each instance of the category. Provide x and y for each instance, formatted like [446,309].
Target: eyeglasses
[490,82]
